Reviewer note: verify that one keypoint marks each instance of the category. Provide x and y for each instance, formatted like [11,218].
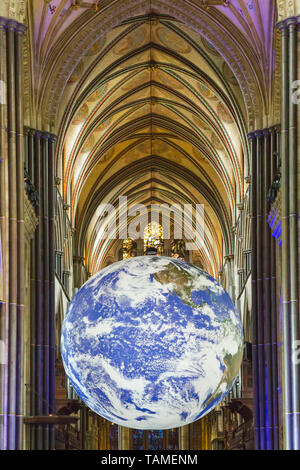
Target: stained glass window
[155,440]
[138,439]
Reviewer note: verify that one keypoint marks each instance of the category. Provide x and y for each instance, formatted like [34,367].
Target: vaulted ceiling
[151,109]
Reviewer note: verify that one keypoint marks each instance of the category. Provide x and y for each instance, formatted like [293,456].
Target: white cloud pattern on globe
[152,343]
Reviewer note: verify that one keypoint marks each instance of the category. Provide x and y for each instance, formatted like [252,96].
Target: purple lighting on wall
[275,224]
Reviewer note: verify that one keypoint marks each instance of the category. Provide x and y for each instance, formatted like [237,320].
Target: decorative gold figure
[178,249]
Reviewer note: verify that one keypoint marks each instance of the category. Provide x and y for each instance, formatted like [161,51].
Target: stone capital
[38,134]
[275,128]
[291,23]
[259,133]
[52,138]
[12,25]
[266,131]
[20,29]
[45,135]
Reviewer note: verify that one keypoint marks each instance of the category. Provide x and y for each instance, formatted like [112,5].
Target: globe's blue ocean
[152,343]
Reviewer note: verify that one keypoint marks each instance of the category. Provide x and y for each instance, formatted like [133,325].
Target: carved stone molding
[27,77]
[30,219]
[13,25]
[13,9]
[276,103]
[287,8]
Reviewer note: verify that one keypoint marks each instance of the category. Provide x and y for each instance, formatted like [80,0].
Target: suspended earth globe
[152,343]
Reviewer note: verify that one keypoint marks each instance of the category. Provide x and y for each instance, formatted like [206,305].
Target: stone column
[30,222]
[273,293]
[77,271]
[42,383]
[290,241]
[140,247]
[4,231]
[12,231]
[269,367]
[263,145]
[51,207]
[259,285]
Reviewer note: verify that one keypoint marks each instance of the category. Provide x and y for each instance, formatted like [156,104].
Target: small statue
[129,248]
[178,249]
